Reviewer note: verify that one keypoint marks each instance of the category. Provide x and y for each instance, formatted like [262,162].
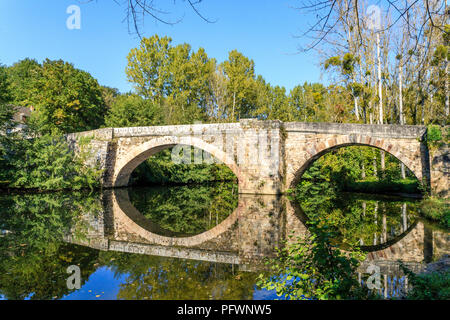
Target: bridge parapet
[372,130]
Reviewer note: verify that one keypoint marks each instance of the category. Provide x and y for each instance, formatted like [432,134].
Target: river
[192,242]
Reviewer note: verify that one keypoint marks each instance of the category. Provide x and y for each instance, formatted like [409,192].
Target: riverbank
[436,210]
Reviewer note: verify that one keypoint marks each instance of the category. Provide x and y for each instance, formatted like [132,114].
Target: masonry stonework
[267,157]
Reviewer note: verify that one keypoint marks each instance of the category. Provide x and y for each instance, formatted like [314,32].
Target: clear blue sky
[262,30]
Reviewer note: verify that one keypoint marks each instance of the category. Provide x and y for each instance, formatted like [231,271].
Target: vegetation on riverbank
[45,162]
[433,285]
[437,210]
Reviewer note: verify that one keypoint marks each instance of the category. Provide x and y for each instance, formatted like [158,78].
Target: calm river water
[190,242]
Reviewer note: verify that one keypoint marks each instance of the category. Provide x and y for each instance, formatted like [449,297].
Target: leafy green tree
[67,99]
[109,95]
[308,101]
[241,89]
[4,90]
[172,76]
[6,124]
[23,76]
[147,67]
[47,163]
[133,110]
[275,104]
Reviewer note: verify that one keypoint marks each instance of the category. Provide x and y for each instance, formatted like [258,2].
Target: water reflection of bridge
[259,225]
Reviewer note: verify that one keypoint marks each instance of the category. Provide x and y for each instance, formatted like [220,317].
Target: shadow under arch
[132,221]
[396,152]
[125,164]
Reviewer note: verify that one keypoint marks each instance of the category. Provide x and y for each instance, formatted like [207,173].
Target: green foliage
[434,133]
[66,99]
[133,110]
[160,169]
[358,169]
[24,76]
[186,210]
[46,163]
[385,186]
[437,210]
[312,268]
[428,286]
[172,76]
[4,89]
[240,72]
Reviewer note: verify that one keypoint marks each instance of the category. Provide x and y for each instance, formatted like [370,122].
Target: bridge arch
[128,160]
[411,159]
[130,221]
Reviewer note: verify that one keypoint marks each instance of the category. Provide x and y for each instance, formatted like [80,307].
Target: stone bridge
[267,157]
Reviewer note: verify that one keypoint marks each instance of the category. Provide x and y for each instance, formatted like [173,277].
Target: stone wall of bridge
[306,142]
[440,170]
[267,157]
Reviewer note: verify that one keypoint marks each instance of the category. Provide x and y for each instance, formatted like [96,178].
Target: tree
[23,76]
[47,163]
[273,103]
[216,106]
[240,73]
[137,10]
[132,111]
[6,110]
[66,99]
[6,124]
[109,95]
[147,67]
[174,77]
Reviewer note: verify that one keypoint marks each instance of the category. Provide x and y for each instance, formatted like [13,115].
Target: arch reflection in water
[186,210]
[251,231]
[373,222]
[261,224]
[254,230]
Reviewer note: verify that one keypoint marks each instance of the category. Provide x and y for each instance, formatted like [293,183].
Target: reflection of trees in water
[186,209]
[150,277]
[359,219]
[33,259]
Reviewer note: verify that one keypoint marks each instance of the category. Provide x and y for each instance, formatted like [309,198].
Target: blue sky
[261,29]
